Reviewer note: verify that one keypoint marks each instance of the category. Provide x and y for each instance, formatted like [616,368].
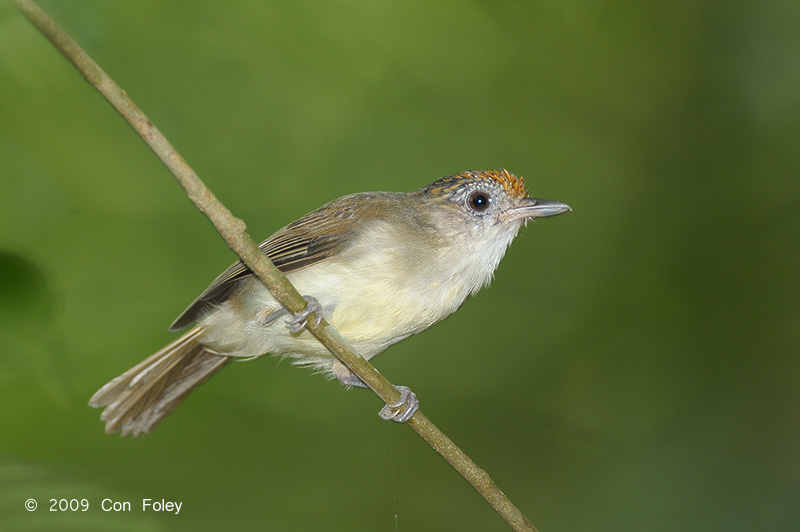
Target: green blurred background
[633,367]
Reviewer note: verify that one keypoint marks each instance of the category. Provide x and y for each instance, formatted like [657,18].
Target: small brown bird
[380,266]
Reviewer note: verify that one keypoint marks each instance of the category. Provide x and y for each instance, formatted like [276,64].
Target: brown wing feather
[311,239]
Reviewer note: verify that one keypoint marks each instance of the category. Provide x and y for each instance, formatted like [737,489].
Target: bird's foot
[401,411]
[404,409]
[301,318]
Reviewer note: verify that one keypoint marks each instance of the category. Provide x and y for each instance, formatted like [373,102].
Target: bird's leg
[272,316]
[345,376]
[401,411]
[300,319]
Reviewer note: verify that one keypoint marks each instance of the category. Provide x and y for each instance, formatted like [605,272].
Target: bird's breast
[383,288]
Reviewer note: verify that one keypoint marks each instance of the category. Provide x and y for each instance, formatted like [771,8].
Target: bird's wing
[313,238]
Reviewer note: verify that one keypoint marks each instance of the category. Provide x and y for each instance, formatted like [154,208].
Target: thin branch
[233,231]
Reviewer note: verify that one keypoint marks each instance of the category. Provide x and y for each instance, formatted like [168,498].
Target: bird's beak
[535,208]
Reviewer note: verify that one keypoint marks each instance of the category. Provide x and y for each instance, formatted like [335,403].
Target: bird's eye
[479,201]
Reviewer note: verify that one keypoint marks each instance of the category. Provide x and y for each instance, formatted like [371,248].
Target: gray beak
[536,208]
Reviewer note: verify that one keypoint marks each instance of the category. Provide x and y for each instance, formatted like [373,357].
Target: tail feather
[139,399]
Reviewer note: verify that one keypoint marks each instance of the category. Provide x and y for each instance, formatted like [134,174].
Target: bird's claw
[300,319]
[404,409]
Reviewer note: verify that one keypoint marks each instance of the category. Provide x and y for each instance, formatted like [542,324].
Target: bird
[379,266]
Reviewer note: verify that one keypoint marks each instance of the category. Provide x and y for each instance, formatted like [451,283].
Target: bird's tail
[139,399]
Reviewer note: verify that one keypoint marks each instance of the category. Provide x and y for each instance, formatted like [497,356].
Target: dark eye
[479,201]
